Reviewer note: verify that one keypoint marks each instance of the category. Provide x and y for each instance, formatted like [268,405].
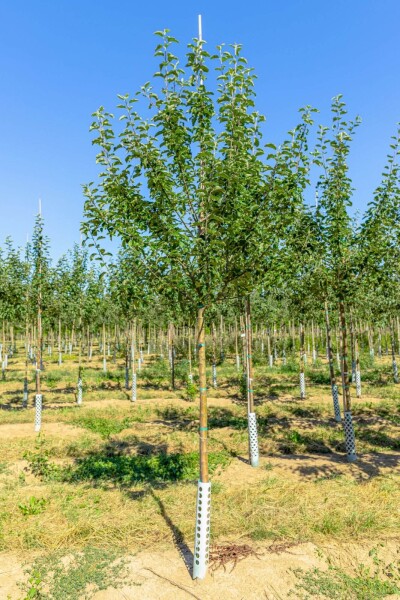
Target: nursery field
[100,504]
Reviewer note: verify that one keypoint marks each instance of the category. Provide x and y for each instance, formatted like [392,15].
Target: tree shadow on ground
[177,535]
[366,467]
[294,440]
[377,438]
[126,463]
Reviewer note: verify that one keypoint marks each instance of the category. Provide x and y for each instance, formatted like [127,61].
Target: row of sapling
[68,307]
[159,338]
[379,254]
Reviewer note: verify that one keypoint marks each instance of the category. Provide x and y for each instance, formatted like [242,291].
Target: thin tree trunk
[203,430]
[334,388]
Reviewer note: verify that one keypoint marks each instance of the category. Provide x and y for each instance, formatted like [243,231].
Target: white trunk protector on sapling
[202,534]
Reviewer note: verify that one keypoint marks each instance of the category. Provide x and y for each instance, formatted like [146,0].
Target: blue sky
[60,60]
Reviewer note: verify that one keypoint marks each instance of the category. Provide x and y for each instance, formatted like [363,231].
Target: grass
[116,481]
[75,575]
[104,426]
[373,582]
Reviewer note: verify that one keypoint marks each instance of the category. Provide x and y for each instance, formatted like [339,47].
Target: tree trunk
[334,387]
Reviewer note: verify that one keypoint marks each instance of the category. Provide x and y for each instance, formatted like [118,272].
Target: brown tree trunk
[203,430]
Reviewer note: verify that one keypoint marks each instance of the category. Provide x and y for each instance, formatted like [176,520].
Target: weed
[78,575]
[34,506]
[368,583]
[104,426]
[39,463]
[191,391]
[4,468]
[33,587]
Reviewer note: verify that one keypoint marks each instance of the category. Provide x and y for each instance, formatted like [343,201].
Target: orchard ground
[101,504]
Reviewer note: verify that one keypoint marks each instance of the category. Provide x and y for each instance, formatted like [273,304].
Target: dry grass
[133,518]
[315,504]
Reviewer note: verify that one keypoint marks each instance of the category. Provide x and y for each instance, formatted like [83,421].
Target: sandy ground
[166,575]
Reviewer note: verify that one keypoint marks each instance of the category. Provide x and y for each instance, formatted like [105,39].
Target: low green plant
[33,588]
[39,463]
[104,426]
[191,391]
[34,506]
[126,470]
[367,583]
[157,373]
[86,573]
[242,384]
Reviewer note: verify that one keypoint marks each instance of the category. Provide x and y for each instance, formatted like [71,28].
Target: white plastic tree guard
[395,372]
[202,535]
[214,375]
[38,412]
[358,384]
[253,439]
[25,395]
[302,386]
[80,392]
[336,406]
[350,439]
[133,397]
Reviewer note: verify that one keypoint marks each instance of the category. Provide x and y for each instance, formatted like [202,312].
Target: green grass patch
[368,583]
[127,470]
[82,575]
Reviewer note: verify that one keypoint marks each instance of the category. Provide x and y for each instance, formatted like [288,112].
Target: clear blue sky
[59,60]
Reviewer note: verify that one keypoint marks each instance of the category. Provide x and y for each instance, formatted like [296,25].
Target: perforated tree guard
[253,439]
[80,392]
[214,376]
[350,440]
[104,365]
[202,534]
[271,360]
[353,371]
[38,412]
[358,384]
[133,397]
[336,406]
[237,362]
[302,386]
[395,372]
[25,395]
